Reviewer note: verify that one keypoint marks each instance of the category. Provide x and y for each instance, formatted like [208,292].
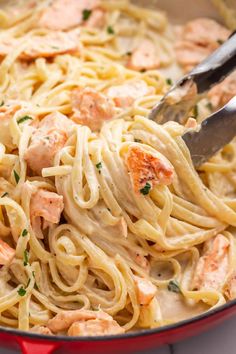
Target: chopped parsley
[110,30]
[195,111]
[17,177]
[24,233]
[26,258]
[55,47]
[21,291]
[169,81]
[4,195]
[86,14]
[2,103]
[23,119]
[174,286]
[99,166]
[138,140]
[220,41]
[146,189]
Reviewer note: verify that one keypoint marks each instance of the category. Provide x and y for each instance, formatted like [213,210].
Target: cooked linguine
[105,225]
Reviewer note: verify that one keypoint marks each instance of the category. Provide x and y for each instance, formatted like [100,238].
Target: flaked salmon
[147,170]
[91,107]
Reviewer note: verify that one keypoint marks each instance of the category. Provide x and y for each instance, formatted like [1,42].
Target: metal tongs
[218,129]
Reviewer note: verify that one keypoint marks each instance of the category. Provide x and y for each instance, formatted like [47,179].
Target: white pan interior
[180,11]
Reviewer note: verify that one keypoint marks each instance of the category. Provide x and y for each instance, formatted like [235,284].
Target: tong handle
[215,67]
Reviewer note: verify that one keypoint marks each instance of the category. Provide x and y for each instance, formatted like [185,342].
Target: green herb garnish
[4,195]
[99,166]
[138,140]
[17,177]
[21,291]
[146,189]
[54,47]
[110,30]
[26,258]
[169,81]
[2,104]
[174,286]
[86,14]
[195,111]
[24,233]
[23,119]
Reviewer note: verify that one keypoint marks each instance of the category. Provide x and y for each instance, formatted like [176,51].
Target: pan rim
[125,336]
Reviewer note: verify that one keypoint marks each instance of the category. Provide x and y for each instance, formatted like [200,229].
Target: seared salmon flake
[66,14]
[91,107]
[81,322]
[212,268]
[198,39]
[144,57]
[50,136]
[146,168]
[125,95]
[145,290]
[6,253]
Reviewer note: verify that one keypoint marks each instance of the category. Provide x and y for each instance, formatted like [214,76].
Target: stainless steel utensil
[218,129]
[181,98]
[215,132]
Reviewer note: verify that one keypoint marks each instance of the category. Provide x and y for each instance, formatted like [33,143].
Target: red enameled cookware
[31,343]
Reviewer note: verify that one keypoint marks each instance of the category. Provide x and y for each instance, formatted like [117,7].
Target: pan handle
[29,346]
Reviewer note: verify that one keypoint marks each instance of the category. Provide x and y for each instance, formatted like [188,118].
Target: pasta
[105,227]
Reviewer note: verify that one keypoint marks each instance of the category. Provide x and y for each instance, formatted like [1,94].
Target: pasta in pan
[105,225]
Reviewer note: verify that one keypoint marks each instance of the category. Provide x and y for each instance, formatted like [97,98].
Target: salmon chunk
[63,320]
[91,107]
[212,268]
[191,123]
[6,114]
[230,288]
[47,140]
[6,253]
[65,14]
[198,39]
[41,330]
[51,44]
[97,327]
[189,54]
[47,46]
[97,19]
[222,93]
[147,169]
[141,260]
[48,205]
[125,95]
[144,57]
[145,290]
